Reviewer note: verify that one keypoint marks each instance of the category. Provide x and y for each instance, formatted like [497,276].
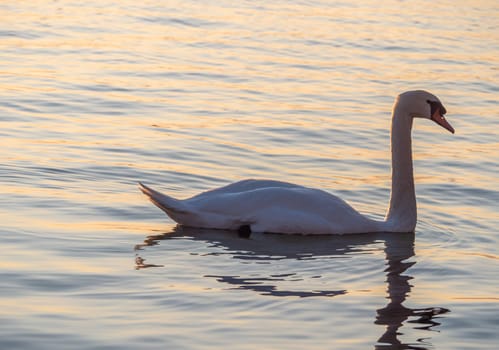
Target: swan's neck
[402,212]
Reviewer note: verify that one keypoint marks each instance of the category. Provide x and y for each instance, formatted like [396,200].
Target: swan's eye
[436,104]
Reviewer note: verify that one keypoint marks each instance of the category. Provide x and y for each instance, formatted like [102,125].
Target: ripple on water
[191,96]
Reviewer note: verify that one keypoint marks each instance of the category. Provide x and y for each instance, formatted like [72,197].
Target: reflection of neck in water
[399,247]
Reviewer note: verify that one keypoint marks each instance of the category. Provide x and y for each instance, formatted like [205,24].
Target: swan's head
[422,104]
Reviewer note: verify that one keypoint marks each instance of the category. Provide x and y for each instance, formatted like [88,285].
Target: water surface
[187,96]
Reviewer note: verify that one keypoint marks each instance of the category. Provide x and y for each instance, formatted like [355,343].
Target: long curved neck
[402,212]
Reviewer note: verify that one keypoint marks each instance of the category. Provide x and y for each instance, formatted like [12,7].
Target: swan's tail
[174,208]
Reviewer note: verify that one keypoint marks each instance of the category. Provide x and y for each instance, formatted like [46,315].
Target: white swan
[274,206]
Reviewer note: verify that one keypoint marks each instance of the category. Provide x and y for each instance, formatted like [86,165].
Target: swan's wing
[245,186]
[292,209]
[253,200]
[266,206]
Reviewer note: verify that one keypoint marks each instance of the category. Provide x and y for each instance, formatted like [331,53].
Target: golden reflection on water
[190,96]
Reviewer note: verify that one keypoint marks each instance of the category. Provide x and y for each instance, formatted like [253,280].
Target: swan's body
[266,206]
[274,206]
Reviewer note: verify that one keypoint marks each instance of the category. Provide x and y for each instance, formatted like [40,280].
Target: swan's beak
[438,118]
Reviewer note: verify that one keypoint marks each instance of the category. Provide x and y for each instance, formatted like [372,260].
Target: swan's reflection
[398,249]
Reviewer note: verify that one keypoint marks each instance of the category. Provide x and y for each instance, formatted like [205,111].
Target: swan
[282,207]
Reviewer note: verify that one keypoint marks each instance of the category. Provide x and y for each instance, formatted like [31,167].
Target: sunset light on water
[189,96]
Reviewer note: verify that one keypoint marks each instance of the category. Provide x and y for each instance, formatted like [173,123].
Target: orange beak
[438,118]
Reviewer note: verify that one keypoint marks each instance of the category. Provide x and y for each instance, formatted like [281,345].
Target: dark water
[187,96]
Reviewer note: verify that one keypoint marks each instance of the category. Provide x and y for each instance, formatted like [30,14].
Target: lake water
[189,95]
